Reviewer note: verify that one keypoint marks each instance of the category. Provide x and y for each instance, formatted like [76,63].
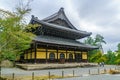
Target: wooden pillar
[74,56]
[22,57]
[66,56]
[82,56]
[31,55]
[87,56]
[35,52]
[46,54]
[26,54]
[57,54]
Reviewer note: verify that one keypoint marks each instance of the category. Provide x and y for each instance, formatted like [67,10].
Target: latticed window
[62,56]
[70,56]
[52,56]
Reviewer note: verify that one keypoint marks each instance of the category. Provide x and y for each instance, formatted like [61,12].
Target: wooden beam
[66,54]
[74,55]
[87,56]
[57,52]
[31,53]
[35,52]
[46,53]
[26,54]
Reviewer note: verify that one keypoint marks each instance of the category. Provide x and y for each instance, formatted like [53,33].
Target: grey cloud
[44,8]
[101,13]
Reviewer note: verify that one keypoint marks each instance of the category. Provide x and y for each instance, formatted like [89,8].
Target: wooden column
[66,56]
[46,54]
[31,55]
[74,56]
[23,56]
[87,57]
[57,53]
[35,47]
[82,55]
[26,54]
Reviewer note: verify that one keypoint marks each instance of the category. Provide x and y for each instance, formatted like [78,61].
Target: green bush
[118,61]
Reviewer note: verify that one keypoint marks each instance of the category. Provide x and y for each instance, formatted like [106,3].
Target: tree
[118,54]
[110,57]
[118,47]
[90,41]
[98,57]
[99,40]
[14,37]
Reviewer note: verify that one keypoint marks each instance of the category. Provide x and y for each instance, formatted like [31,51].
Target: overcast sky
[96,16]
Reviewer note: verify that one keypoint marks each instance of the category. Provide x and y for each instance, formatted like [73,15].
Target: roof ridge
[60,14]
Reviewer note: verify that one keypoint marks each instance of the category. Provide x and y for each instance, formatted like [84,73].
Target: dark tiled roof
[80,33]
[59,15]
[62,41]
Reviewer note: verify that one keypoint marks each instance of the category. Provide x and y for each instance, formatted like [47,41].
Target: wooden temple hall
[56,41]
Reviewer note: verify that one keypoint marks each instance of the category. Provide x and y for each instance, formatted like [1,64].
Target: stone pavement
[54,66]
[82,72]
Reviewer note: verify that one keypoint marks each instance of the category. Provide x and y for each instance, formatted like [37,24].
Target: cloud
[100,17]
[96,16]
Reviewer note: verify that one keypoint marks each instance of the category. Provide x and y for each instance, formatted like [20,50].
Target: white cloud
[96,16]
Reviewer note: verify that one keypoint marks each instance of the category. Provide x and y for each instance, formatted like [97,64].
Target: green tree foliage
[98,57]
[90,41]
[118,55]
[13,35]
[118,47]
[97,41]
[110,57]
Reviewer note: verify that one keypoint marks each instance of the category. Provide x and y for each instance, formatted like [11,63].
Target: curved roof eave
[79,32]
[62,41]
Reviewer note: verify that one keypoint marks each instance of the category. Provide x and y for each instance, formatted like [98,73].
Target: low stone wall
[54,66]
[7,63]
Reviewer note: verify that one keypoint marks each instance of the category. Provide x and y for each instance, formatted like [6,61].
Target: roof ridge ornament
[32,16]
[61,10]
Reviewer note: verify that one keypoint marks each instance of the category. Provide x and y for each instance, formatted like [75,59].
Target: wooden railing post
[89,71]
[13,76]
[98,71]
[73,73]
[62,74]
[33,76]
[49,75]
[104,70]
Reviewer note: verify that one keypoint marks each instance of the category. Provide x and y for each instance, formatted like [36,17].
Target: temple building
[57,41]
